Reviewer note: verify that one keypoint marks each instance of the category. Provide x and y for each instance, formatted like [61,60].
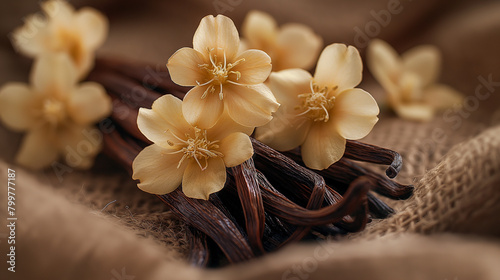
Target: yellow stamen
[53,111]
[219,73]
[316,104]
[197,148]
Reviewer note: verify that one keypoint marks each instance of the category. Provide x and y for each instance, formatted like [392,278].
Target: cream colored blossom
[410,80]
[62,29]
[56,113]
[223,78]
[291,46]
[186,154]
[319,113]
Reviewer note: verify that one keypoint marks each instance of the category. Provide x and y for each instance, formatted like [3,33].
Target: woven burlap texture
[460,194]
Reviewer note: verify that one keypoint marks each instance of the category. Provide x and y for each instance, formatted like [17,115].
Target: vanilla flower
[62,29]
[319,113]
[186,154]
[291,46]
[223,79]
[410,80]
[56,113]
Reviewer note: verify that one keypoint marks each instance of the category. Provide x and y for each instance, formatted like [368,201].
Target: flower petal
[416,112]
[89,103]
[425,61]
[217,33]
[199,184]
[243,46]
[255,68]
[15,106]
[250,105]
[287,130]
[163,120]
[54,74]
[225,126]
[284,132]
[299,46]
[260,29]
[93,26]
[384,63]
[409,89]
[354,113]
[184,67]
[84,63]
[203,112]
[30,39]
[339,67]
[58,9]
[287,84]
[79,145]
[323,147]
[157,171]
[236,149]
[441,96]
[37,150]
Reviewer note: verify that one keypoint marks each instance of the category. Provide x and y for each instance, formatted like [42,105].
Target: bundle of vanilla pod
[251,151]
[269,200]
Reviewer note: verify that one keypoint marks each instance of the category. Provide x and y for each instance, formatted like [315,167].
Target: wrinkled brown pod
[268,201]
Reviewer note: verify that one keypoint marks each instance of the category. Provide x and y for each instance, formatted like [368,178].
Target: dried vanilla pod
[251,199]
[356,150]
[268,201]
[199,253]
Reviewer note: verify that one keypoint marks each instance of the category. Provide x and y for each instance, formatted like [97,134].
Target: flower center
[198,148]
[53,111]
[72,43]
[219,72]
[411,88]
[316,104]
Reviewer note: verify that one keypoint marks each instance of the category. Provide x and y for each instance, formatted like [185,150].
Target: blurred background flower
[292,45]
[411,80]
[55,112]
[59,28]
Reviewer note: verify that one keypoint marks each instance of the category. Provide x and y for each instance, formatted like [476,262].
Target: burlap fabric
[97,225]
[459,195]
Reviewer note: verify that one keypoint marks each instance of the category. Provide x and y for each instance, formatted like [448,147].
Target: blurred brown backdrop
[153,30]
